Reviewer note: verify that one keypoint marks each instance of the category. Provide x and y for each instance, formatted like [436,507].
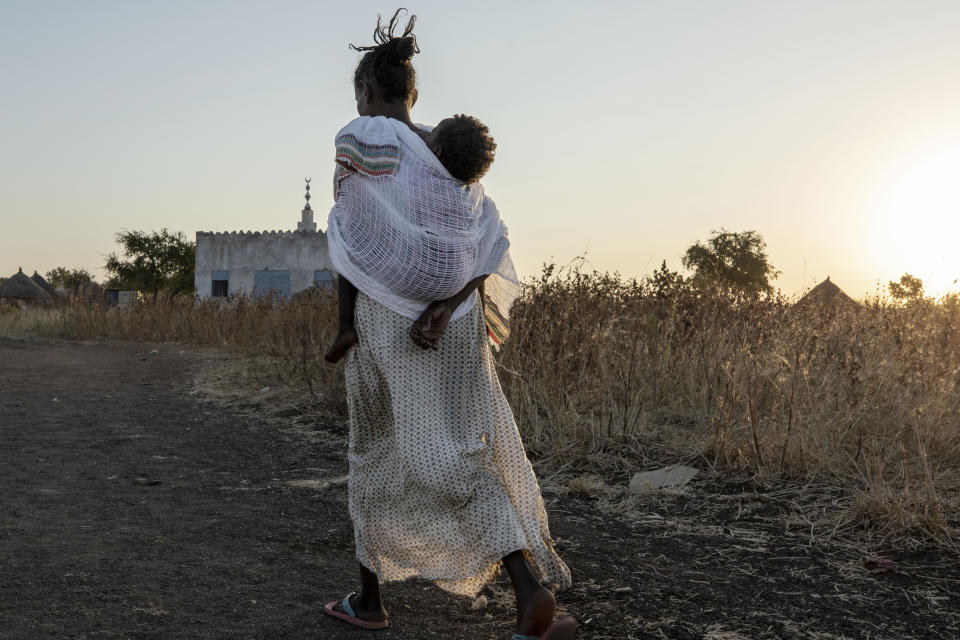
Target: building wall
[243,253]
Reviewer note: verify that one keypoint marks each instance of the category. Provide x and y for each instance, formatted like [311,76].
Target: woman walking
[440,486]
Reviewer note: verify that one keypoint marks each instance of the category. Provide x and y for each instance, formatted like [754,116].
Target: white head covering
[407,233]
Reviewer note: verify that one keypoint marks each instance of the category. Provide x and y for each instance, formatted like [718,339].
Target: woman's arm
[429,327]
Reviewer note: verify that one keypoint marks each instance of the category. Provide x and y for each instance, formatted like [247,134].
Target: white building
[263,262]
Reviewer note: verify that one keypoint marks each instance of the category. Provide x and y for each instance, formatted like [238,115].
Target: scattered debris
[724,635]
[586,484]
[607,607]
[317,483]
[673,476]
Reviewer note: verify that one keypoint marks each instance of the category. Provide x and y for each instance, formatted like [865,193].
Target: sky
[626,131]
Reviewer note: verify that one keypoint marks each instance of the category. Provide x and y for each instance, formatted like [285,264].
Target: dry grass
[285,341]
[864,396]
[598,366]
[587,484]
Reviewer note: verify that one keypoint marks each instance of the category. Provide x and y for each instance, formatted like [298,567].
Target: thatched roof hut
[19,287]
[827,294]
[36,277]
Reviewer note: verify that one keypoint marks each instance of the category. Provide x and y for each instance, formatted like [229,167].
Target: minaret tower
[306,216]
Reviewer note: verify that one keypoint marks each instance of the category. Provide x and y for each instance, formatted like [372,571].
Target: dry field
[610,374]
[828,442]
[155,491]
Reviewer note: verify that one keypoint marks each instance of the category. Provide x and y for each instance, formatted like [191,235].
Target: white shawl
[406,233]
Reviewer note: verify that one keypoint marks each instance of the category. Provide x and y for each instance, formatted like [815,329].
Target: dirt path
[131,507]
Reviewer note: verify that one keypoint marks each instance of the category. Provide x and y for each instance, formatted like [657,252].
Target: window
[323,280]
[220,284]
[272,283]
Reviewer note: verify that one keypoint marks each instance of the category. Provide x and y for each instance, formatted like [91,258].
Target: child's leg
[346,301]
[346,334]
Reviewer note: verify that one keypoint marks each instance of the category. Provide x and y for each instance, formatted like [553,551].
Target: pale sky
[626,130]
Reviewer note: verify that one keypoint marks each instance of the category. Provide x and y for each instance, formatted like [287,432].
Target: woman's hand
[429,327]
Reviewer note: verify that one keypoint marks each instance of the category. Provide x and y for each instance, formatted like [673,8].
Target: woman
[440,486]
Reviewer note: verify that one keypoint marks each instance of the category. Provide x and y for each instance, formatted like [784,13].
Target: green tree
[69,279]
[909,288]
[665,283]
[153,262]
[732,259]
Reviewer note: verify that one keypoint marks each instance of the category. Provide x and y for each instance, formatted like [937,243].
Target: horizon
[625,132]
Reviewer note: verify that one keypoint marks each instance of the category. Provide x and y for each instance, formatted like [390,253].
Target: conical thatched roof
[827,294]
[36,277]
[20,286]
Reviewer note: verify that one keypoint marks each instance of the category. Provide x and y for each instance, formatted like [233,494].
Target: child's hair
[388,62]
[466,148]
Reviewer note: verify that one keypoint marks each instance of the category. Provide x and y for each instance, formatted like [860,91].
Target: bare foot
[535,612]
[563,629]
[341,344]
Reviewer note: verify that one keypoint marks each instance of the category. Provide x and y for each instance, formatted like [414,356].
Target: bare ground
[133,506]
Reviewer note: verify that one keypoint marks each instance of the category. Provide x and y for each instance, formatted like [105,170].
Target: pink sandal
[348,615]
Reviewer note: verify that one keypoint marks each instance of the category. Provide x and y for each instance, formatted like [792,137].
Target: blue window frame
[275,282]
[323,279]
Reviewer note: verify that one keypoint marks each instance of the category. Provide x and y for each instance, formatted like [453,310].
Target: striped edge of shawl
[498,327]
[371,159]
[339,174]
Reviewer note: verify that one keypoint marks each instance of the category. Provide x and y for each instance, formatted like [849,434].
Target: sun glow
[913,218]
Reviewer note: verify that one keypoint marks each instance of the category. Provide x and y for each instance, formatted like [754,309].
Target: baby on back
[465,148]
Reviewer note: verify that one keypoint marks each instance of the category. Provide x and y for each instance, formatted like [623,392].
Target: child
[465,147]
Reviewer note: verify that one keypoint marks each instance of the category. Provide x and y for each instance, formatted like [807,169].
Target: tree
[665,283]
[733,259]
[153,262]
[69,279]
[909,288]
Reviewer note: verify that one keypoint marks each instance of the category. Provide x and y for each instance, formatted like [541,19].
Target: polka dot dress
[440,486]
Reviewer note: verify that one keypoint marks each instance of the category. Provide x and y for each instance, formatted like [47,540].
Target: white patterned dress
[440,486]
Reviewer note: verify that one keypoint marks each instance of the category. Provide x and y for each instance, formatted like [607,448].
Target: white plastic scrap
[665,477]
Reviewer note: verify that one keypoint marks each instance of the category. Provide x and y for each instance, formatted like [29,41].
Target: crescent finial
[308,180]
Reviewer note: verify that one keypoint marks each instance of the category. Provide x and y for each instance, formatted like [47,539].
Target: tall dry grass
[861,395]
[288,337]
[864,396]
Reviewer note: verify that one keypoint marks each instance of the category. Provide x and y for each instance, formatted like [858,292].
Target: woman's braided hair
[387,63]
[466,147]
